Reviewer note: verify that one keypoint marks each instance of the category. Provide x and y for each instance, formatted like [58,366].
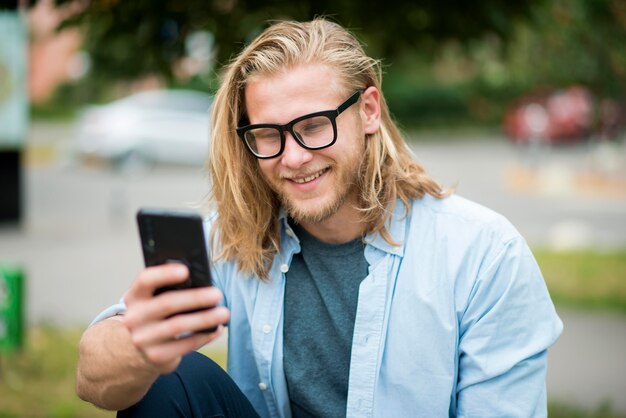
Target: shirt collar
[283,220]
[396,226]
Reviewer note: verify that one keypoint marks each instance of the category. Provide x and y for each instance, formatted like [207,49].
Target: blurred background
[104,108]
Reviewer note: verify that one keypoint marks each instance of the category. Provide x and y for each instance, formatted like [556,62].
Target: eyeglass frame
[330,114]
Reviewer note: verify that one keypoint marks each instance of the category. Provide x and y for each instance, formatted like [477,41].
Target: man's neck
[343,226]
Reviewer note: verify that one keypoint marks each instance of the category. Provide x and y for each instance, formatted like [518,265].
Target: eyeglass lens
[314,132]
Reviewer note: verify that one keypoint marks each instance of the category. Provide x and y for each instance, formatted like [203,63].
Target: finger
[174,302]
[179,325]
[157,308]
[163,355]
[155,277]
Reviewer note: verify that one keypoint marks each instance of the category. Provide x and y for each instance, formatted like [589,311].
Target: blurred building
[53,57]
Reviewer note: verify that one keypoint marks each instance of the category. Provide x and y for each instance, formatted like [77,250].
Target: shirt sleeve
[117,309]
[504,333]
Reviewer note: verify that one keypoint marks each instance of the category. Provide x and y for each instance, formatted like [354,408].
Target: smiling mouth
[302,180]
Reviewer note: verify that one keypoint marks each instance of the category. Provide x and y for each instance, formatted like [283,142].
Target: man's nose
[294,155]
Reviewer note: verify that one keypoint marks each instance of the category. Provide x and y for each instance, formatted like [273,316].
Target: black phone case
[175,236]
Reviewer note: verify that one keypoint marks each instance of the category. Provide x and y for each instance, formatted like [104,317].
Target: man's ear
[370,110]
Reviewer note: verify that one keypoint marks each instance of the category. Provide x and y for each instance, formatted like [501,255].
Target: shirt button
[262,386]
[267,329]
[284,268]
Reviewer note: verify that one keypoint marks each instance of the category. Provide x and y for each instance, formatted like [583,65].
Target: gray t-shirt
[321,294]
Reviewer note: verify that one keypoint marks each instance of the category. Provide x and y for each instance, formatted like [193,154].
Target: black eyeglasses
[313,131]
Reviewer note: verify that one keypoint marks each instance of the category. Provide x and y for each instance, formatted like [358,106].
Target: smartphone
[169,236]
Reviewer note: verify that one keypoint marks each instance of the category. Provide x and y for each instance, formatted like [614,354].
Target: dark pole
[13,108]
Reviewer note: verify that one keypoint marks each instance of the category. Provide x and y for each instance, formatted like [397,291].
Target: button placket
[368,330]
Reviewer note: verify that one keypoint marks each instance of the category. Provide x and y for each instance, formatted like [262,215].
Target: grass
[585,279]
[557,410]
[38,382]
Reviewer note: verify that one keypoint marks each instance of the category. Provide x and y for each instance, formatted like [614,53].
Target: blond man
[352,284]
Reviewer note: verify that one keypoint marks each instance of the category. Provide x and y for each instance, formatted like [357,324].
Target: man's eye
[269,135]
[314,126]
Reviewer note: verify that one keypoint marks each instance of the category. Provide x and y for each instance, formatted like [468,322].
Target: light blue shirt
[454,321]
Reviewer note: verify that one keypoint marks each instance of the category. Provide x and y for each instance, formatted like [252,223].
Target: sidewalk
[565,197]
[586,365]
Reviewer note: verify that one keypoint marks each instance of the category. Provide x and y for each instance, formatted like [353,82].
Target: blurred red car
[557,117]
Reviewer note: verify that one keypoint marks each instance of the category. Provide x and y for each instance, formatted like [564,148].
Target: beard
[342,191]
[301,214]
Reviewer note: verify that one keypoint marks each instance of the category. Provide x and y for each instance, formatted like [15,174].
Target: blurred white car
[156,126]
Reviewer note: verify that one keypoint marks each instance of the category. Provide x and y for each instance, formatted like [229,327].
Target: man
[351,283]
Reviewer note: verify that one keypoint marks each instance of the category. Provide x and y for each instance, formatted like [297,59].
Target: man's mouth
[302,180]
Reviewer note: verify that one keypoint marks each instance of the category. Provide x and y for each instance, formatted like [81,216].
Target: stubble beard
[302,215]
[343,188]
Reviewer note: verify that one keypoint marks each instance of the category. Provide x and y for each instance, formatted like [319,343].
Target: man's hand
[158,329]
[121,357]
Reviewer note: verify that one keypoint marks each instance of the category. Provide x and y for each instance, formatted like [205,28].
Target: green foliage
[131,39]
[448,64]
[428,105]
[573,41]
[451,91]
[566,42]
[437,104]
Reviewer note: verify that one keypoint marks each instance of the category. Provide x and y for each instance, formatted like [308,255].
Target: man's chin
[303,213]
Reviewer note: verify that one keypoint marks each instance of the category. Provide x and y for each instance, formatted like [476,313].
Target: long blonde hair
[246,226]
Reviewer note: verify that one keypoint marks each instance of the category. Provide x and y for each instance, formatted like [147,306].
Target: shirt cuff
[117,309]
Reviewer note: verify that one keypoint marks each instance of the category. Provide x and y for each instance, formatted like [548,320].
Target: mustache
[285,175]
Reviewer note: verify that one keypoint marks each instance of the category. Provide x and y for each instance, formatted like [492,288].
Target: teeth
[309,178]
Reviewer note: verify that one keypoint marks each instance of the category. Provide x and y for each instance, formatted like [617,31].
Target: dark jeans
[198,388]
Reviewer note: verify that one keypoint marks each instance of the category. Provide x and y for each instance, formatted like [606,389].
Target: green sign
[11,312]
[13,80]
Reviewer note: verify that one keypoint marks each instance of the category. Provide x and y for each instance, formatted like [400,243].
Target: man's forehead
[304,77]
[291,93]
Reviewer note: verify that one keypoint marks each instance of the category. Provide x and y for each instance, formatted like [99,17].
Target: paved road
[568,197]
[79,246]
[586,365]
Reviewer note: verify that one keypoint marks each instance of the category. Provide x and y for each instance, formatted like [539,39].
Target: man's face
[312,185]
